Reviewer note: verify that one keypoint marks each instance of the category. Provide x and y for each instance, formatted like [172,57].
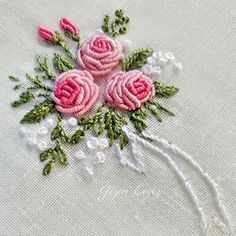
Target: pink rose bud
[69,26]
[46,34]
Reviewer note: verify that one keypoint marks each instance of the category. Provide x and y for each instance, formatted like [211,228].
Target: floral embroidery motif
[129,95]
[100,55]
[75,92]
[129,90]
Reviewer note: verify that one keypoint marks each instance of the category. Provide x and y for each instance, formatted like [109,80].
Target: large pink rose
[75,92]
[99,55]
[128,90]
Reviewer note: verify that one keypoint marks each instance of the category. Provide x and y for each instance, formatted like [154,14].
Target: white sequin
[92,143]
[103,143]
[43,131]
[177,68]
[50,122]
[72,122]
[42,145]
[32,141]
[98,158]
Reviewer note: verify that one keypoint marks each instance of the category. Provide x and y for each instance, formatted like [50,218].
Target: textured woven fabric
[117,201]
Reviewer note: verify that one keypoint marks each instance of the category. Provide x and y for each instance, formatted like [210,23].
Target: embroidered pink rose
[128,90]
[75,92]
[46,34]
[99,55]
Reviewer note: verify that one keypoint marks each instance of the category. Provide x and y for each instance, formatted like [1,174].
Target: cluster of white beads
[157,61]
[95,147]
[36,139]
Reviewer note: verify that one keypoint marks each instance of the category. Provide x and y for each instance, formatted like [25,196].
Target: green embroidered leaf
[162,108]
[61,63]
[49,166]
[14,79]
[24,98]
[113,124]
[153,109]
[137,59]
[138,118]
[45,154]
[58,132]
[17,86]
[38,83]
[44,67]
[163,90]
[77,137]
[39,112]
[123,141]
[117,26]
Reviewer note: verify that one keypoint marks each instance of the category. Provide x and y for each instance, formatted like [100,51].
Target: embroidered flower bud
[46,34]
[69,26]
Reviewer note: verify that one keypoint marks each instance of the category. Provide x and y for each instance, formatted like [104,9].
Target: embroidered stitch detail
[100,55]
[75,92]
[128,90]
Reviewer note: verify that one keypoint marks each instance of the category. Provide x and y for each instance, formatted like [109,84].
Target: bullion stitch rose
[99,55]
[75,92]
[128,90]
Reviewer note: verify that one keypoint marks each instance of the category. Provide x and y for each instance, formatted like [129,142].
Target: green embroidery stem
[76,38]
[13,78]
[162,108]
[138,118]
[153,109]
[137,59]
[61,63]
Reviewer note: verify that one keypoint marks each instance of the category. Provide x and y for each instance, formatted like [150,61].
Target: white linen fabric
[117,201]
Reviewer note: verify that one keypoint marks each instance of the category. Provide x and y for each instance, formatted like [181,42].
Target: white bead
[170,57]
[126,45]
[80,155]
[156,71]
[103,143]
[32,141]
[162,61]
[43,131]
[157,55]
[72,122]
[146,69]
[177,68]
[87,172]
[92,143]
[151,61]
[99,158]
[50,122]
[23,131]
[42,146]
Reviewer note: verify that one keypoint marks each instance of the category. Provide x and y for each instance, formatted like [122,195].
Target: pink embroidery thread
[99,55]
[75,92]
[46,34]
[69,26]
[128,90]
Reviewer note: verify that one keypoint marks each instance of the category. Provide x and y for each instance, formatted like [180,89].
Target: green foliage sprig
[13,78]
[117,26]
[38,82]
[164,90]
[56,153]
[44,67]
[76,38]
[24,98]
[61,63]
[138,118]
[39,112]
[137,59]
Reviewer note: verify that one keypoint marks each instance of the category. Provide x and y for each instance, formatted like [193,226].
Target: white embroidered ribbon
[226,226]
